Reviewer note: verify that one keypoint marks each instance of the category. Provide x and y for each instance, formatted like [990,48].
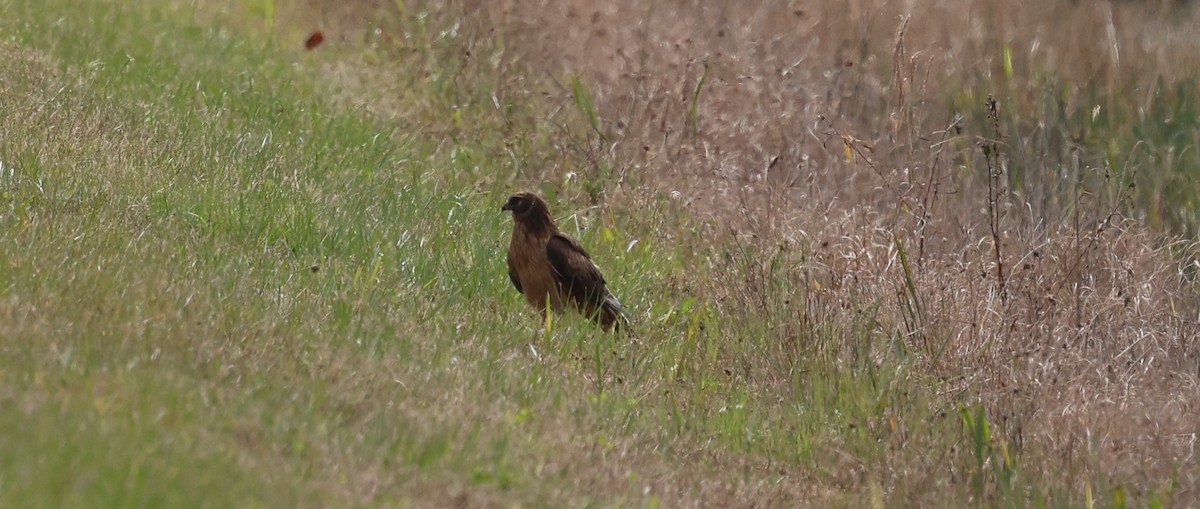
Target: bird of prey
[545,263]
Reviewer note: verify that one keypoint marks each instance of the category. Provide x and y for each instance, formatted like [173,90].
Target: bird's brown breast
[527,261]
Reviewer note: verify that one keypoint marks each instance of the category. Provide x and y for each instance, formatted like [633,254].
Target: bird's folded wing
[514,253]
[575,270]
[513,275]
[516,282]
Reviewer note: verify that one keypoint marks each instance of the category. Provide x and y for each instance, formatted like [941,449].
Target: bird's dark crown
[525,205]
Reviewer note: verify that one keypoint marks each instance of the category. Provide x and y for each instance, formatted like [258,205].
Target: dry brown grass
[834,126]
[787,78]
[836,134]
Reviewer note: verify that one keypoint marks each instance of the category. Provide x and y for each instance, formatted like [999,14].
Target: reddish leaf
[314,40]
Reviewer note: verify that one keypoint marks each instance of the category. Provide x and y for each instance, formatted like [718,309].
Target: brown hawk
[545,263]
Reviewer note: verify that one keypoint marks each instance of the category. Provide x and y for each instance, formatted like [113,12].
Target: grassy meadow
[238,273]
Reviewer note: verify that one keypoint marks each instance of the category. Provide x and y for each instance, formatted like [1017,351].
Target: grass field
[235,273]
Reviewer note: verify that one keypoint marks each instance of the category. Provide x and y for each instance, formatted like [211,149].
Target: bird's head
[526,206]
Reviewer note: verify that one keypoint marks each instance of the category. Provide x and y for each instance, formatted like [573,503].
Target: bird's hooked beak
[510,204]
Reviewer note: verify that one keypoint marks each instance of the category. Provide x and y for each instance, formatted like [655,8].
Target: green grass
[169,194]
[221,287]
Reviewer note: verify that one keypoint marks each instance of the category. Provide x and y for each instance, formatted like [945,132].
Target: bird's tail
[612,316]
